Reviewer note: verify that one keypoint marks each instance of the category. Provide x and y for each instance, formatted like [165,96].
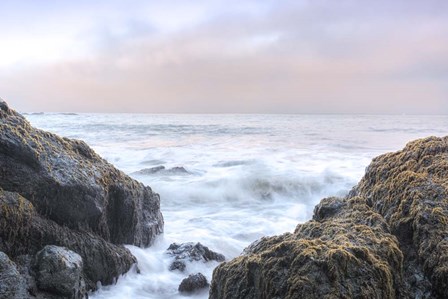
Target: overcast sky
[229,56]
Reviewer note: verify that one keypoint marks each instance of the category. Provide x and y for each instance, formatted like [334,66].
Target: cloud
[297,56]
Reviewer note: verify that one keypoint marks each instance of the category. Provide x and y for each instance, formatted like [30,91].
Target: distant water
[247,176]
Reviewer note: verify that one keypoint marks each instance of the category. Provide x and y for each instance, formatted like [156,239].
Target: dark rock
[152,170]
[328,207]
[12,285]
[59,271]
[178,265]
[194,252]
[178,170]
[193,283]
[386,239]
[24,232]
[191,252]
[70,184]
[4,105]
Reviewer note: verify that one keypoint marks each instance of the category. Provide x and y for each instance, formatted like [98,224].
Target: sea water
[243,176]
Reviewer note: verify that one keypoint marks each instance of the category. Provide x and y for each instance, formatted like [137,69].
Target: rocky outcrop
[386,239]
[70,184]
[24,232]
[409,189]
[57,191]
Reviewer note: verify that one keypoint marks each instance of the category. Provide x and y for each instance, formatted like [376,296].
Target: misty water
[247,176]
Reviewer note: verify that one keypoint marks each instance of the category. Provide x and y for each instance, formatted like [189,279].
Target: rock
[59,271]
[3,105]
[191,252]
[386,239]
[148,171]
[178,265]
[410,189]
[178,170]
[348,255]
[24,232]
[328,207]
[70,184]
[194,252]
[12,285]
[193,283]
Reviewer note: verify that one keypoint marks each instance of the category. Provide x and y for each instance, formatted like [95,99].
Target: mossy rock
[386,239]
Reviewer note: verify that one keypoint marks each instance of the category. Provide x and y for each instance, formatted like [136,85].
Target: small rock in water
[178,265]
[194,252]
[178,170]
[191,252]
[58,270]
[162,170]
[192,283]
[151,170]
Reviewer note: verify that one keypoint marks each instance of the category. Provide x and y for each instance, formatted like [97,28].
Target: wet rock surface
[193,283]
[70,184]
[191,252]
[57,191]
[12,285]
[59,271]
[24,232]
[386,239]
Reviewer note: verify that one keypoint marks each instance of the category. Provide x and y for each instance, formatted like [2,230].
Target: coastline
[353,201]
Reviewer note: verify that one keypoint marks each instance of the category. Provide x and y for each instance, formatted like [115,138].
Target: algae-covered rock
[70,184]
[410,189]
[24,232]
[387,239]
[348,254]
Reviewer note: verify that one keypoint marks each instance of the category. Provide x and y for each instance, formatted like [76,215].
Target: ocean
[228,180]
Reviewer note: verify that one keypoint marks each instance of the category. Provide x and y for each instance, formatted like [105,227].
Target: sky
[315,56]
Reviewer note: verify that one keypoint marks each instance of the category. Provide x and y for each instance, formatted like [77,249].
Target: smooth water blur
[248,175]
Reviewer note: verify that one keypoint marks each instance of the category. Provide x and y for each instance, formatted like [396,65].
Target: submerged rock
[178,265]
[162,170]
[59,271]
[386,239]
[191,252]
[151,170]
[70,184]
[193,283]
